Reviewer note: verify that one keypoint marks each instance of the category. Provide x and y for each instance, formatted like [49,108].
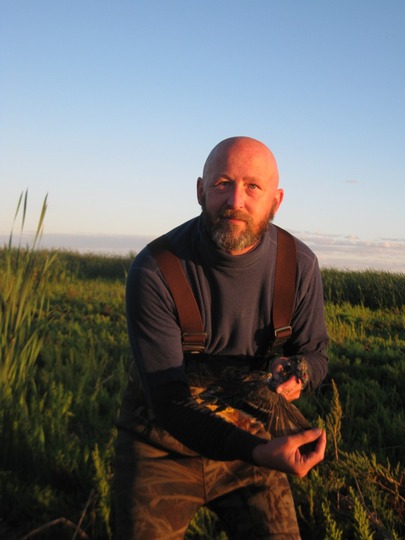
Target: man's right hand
[283,453]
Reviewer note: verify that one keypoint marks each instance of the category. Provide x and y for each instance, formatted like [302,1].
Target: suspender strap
[284,286]
[193,335]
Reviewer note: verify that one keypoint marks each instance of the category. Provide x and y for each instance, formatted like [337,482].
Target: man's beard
[227,235]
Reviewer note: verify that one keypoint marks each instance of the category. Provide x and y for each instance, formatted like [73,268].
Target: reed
[24,311]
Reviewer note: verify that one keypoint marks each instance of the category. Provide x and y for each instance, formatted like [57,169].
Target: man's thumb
[308,437]
[311,434]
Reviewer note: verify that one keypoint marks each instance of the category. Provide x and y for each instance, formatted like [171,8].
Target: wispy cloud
[351,252]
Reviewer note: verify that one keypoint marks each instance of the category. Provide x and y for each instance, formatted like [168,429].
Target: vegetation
[63,360]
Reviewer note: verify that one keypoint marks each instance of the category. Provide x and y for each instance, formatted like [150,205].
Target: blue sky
[111,108]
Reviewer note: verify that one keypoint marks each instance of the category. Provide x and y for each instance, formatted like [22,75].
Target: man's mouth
[234,216]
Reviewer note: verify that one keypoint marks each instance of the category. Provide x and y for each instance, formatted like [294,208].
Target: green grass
[64,354]
[376,290]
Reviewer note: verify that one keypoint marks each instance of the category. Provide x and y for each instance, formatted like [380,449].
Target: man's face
[234,231]
[239,196]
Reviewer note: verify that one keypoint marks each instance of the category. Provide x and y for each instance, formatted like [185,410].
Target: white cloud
[350,252]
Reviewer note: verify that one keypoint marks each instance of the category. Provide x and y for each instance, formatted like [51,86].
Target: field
[63,360]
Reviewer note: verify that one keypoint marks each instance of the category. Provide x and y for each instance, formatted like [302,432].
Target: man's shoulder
[304,252]
[180,238]
[183,235]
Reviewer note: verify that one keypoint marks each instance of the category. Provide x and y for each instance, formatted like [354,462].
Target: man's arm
[310,337]
[212,437]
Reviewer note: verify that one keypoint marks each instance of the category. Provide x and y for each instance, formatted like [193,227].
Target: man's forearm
[199,428]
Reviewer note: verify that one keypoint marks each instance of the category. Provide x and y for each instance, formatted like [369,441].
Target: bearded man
[174,452]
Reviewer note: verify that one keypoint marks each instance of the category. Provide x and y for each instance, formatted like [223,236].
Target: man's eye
[253,186]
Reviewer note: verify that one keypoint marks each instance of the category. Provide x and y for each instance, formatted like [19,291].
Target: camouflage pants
[160,484]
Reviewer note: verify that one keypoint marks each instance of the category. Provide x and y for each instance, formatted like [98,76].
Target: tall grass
[24,311]
[373,289]
[59,390]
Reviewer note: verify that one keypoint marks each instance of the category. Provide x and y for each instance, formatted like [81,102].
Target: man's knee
[264,509]
[155,496]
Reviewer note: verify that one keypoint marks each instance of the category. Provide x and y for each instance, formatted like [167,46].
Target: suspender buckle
[194,342]
[283,333]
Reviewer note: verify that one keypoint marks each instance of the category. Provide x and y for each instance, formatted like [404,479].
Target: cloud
[351,252]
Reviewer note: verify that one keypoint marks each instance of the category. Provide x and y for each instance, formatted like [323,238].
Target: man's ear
[278,199]
[200,190]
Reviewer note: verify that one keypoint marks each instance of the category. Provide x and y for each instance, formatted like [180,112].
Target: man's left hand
[289,388]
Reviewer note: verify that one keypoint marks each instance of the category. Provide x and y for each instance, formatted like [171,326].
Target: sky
[109,109]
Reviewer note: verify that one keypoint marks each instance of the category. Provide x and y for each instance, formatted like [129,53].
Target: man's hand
[289,388]
[283,453]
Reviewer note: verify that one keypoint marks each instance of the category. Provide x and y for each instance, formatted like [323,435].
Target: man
[173,453]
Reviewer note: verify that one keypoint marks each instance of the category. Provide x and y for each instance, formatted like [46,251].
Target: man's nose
[236,197]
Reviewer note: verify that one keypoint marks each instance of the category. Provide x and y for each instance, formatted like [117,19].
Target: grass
[64,355]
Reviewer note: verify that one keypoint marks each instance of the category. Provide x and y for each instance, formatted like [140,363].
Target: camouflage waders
[160,483]
[158,492]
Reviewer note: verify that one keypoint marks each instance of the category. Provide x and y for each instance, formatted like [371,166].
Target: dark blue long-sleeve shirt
[234,295]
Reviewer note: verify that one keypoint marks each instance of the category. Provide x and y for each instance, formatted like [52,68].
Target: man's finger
[315,436]
[310,435]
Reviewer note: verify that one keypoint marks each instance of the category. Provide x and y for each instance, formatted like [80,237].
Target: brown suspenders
[193,335]
[284,286]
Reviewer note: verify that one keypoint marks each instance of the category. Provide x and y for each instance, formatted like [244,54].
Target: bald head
[253,154]
[239,193]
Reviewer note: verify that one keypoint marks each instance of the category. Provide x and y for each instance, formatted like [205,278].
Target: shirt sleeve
[310,337]
[153,328]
